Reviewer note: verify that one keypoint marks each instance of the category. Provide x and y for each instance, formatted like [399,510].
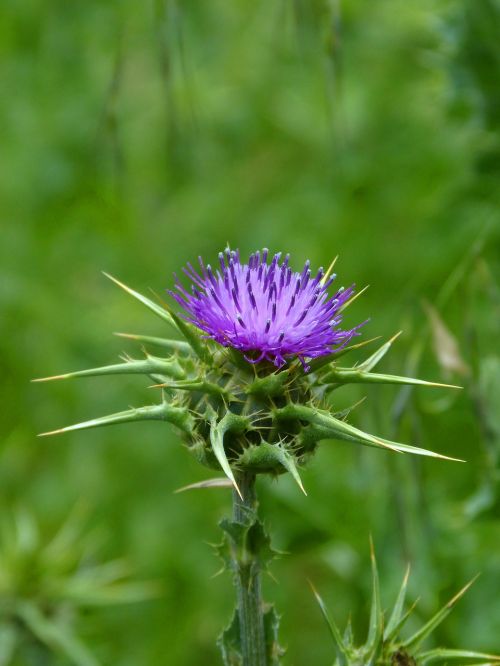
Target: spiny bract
[252,416]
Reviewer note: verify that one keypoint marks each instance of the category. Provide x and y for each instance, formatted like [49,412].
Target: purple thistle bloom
[266,309]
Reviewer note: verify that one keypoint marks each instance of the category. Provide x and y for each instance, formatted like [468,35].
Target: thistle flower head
[234,416]
[264,309]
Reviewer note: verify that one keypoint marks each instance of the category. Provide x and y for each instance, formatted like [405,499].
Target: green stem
[246,567]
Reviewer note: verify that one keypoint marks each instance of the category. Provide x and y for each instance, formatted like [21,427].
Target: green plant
[46,580]
[385,644]
[250,395]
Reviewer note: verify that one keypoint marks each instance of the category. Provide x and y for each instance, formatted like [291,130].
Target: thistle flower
[253,417]
[244,405]
[266,311]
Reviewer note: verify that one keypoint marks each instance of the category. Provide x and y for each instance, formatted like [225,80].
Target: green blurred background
[136,136]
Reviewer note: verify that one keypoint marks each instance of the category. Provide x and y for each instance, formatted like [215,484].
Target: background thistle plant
[385,644]
[47,581]
[236,413]
[254,400]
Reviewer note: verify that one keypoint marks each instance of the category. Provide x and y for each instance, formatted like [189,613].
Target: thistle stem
[247,579]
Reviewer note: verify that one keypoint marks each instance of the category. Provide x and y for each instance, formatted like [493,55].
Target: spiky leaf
[419,636]
[397,611]
[442,654]
[271,628]
[357,376]
[229,643]
[151,365]
[338,640]
[376,625]
[229,423]
[172,346]
[164,412]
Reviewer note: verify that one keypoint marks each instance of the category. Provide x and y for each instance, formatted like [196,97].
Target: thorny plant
[248,390]
[385,644]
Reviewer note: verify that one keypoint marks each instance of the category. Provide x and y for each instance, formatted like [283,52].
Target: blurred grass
[135,137]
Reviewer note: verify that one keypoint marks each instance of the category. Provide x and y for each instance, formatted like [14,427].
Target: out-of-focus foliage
[136,136]
[46,583]
[388,640]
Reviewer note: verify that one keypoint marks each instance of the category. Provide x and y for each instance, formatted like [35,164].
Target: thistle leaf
[356,376]
[229,643]
[416,450]
[149,366]
[245,542]
[332,427]
[178,416]
[353,298]
[280,455]
[397,628]
[320,362]
[288,462]
[270,385]
[154,307]
[397,611]
[229,422]
[312,434]
[342,415]
[442,654]
[377,356]
[219,482]
[376,625]
[258,544]
[170,317]
[199,385]
[419,636]
[404,448]
[171,346]
[330,623]
[349,635]
[271,627]
[193,337]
